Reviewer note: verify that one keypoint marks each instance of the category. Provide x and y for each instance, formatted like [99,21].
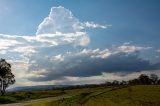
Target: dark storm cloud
[85,66]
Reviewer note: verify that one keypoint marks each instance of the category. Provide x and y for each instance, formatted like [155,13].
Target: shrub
[7,99]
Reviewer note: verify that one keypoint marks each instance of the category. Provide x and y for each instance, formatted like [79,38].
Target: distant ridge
[38,87]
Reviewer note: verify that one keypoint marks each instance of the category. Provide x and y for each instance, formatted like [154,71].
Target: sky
[61,42]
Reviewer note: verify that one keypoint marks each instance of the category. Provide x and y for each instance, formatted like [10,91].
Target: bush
[7,99]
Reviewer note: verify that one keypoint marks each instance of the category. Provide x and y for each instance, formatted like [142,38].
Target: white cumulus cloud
[62,26]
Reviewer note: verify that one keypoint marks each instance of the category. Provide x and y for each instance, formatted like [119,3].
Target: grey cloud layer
[89,63]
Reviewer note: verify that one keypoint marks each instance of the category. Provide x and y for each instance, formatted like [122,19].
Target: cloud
[158,50]
[77,38]
[94,25]
[42,61]
[57,53]
[57,58]
[62,27]
[25,49]
[59,33]
[105,77]
[7,42]
[84,41]
[88,62]
[92,79]
[126,47]
[62,20]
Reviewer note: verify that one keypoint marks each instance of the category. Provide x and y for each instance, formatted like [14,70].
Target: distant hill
[38,87]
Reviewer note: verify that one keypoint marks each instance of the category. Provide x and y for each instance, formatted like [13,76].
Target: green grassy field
[139,95]
[13,97]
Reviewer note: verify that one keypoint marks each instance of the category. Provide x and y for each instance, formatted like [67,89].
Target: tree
[115,82]
[108,83]
[154,78]
[6,76]
[144,79]
[123,82]
[134,82]
[158,82]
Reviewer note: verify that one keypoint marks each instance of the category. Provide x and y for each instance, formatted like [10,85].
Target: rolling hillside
[139,95]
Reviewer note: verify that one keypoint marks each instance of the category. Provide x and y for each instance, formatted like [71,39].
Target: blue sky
[131,19]
[41,36]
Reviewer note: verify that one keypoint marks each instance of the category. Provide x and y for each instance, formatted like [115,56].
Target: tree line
[143,79]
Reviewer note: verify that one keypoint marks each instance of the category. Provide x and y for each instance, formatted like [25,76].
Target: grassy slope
[146,95]
[140,95]
[81,96]
[13,97]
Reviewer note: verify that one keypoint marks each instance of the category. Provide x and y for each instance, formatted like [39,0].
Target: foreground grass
[80,93]
[140,95]
[13,97]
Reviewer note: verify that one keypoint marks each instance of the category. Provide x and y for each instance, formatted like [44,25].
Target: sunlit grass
[140,95]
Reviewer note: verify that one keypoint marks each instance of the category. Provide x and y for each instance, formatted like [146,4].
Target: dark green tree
[6,76]
[134,82]
[154,78]
[144,79]
[115,82]
[158,82]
